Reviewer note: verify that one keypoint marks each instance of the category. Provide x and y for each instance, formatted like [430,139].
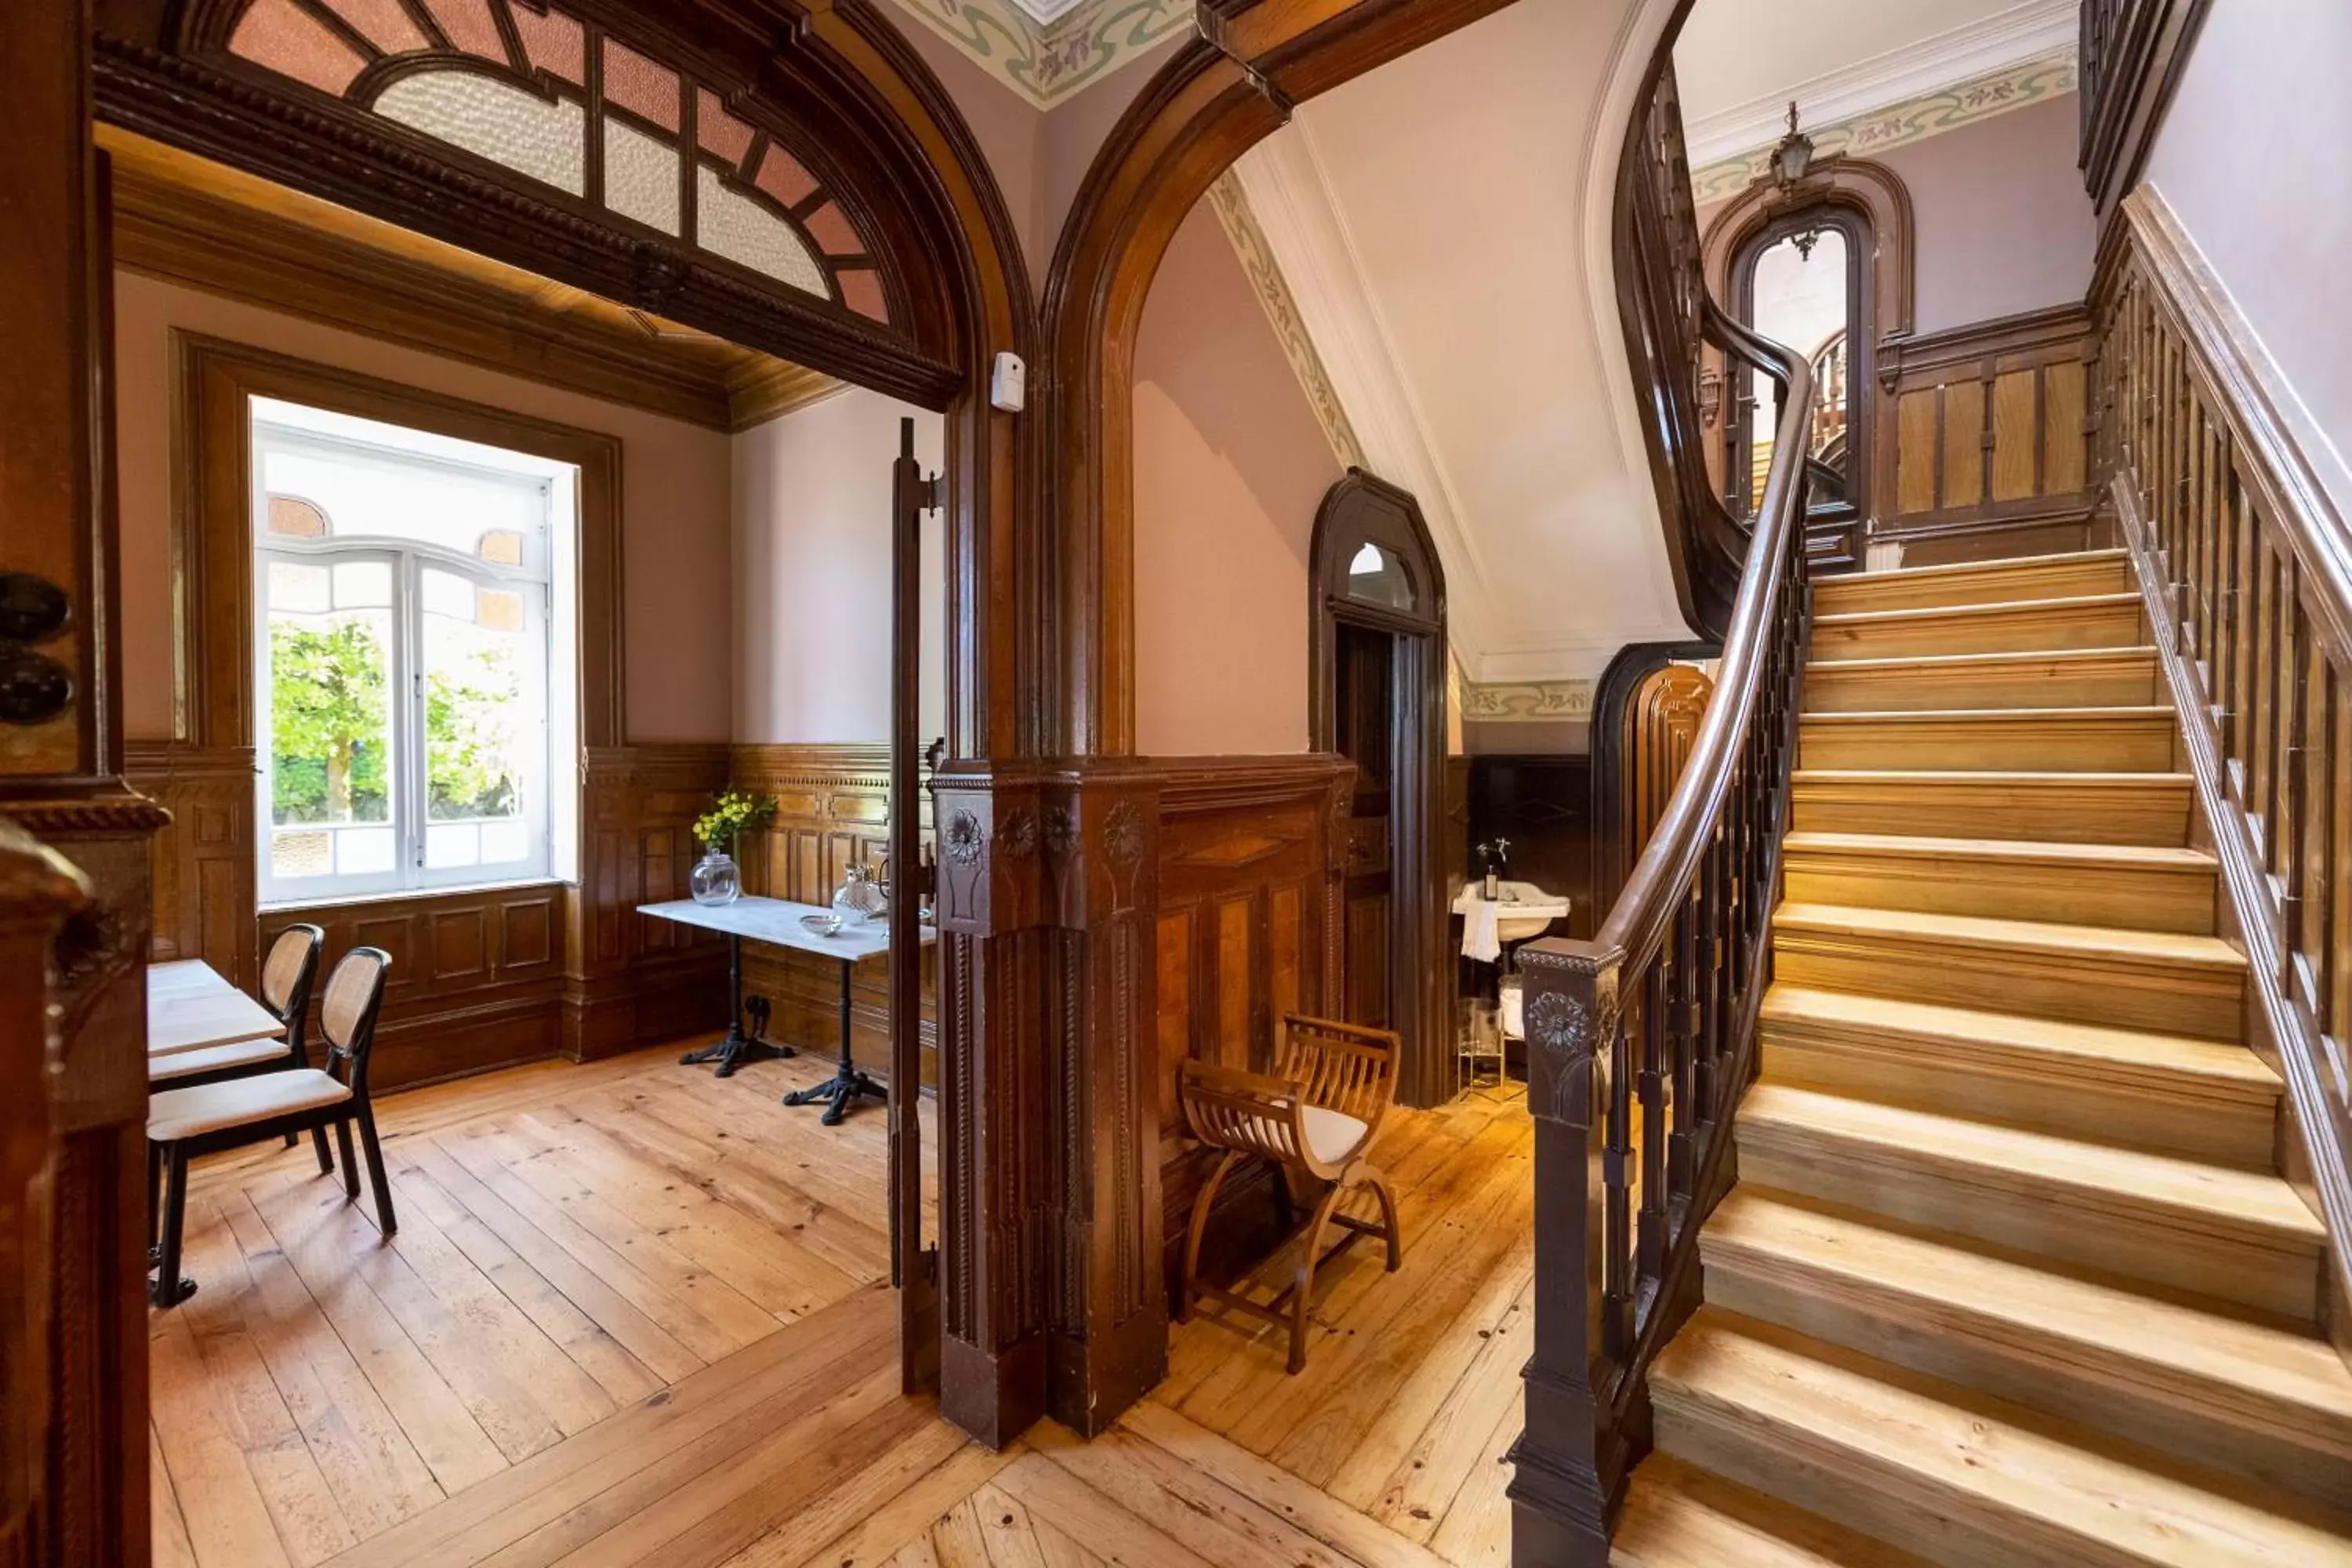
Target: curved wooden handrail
[1643,1038]
[1636,922]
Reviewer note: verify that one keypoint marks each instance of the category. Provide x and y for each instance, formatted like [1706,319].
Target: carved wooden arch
[1215,98]
[1360,509]
[823,119]
[1876,198]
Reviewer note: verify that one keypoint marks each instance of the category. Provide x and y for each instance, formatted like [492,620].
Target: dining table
[199,1022]
[805,928]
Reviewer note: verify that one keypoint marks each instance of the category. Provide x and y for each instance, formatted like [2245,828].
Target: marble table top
[778,921]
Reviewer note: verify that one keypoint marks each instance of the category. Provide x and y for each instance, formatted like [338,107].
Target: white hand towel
[1482,936]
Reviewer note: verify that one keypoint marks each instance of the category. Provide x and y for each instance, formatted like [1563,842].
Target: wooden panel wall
[833,811]
[1543,804]
[1249,869]
[481,979]
[1992,439]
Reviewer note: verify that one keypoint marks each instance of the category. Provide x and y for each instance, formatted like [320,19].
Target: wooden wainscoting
[203,870]
[833,811]
[1249,869]
[1992,439]
[481,977]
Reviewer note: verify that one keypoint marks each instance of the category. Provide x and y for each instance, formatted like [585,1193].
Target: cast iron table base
[841,1091]
[737,1049]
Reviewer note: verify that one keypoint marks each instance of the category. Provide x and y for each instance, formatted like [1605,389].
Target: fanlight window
[547,96]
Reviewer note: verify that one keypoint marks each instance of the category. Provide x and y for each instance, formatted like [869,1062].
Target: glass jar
[715,879]
[859,899]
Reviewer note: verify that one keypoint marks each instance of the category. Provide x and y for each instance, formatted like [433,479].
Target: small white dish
[822,925]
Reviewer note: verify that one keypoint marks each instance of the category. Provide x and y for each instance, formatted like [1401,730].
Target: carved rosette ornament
[1017,838]
[1061,831]
[963,838]
[1123,834]
[1569,1030]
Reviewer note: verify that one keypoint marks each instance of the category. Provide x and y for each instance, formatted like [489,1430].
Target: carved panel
[204,867]
[1991,438]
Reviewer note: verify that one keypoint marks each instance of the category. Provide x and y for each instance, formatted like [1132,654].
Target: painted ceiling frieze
[1913,120]
[1046,61]
[1526,701]
[1273,292]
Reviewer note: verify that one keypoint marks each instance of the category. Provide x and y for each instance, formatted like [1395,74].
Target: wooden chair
[1318,1115]
[182,1124]
[287,977]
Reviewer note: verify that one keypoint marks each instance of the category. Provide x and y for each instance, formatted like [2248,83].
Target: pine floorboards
[635,1315]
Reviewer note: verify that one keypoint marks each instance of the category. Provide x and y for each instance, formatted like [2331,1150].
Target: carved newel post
[1558,1502]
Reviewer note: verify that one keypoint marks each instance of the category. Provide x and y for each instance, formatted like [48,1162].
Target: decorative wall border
[1273,290]
[1978,99]
[1526,701]
[1047,61]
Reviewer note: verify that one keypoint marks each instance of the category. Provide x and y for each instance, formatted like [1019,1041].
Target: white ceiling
[1738,62]
[1437,222]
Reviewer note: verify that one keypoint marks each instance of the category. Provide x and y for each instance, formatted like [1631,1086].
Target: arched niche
[1862,210]
[1376,665]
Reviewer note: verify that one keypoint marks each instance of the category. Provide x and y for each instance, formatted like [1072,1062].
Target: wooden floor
[634,1315]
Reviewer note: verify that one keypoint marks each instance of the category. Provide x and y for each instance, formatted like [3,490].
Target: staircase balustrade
[1643,1038]
[2245,563]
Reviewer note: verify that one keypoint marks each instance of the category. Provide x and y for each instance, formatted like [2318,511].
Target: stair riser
[2153,813]
[2023,744]
[2119,682]
[1854,1488]
[2083,988]
[1915,591]
[2150,1243]
[2166,898]
[1955,1078]
[2159,1406]
[2001,630]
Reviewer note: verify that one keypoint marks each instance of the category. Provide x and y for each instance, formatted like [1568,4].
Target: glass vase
[715,879]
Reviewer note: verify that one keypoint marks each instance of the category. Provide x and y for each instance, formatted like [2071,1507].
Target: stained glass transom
[539,137]
[510,81]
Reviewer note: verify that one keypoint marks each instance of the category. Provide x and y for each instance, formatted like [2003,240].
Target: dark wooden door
[1366,712]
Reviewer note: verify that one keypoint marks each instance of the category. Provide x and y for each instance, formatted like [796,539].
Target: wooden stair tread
[1932,662]
[2020,778]
[1919,615]
[2114,712]
[2117,1056]
[1678,1516]
[1933,1452]
[1994,568]
[2100,1176]
[2057,852]
[2114,944]
[2269,1376]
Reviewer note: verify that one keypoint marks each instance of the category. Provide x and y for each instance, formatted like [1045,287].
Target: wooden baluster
[2294,798]
[1616,1194]
[1650,1085]
[2262,698]
[1683,1035]
[2316,825]
[2337,971]
[2232,628]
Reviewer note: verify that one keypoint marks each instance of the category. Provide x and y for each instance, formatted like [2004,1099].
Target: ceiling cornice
[2032,31]
[1290,199]
[1914,120]
[1047,49]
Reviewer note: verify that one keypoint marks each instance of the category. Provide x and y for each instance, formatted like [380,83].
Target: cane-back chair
[1315,1116]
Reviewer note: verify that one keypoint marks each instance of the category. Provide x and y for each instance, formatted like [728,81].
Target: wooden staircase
[2010,1275]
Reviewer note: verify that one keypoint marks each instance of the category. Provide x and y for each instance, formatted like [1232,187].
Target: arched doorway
[1377,668]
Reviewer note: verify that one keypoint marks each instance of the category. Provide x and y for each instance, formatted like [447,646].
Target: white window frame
[406,786]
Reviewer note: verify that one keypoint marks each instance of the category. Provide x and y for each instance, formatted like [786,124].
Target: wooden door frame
[1357,510]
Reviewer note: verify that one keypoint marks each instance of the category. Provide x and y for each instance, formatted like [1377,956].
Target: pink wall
[2004,225]
[2251,157]
[674,505]
[2000,219]
[1230,466]
[813,573]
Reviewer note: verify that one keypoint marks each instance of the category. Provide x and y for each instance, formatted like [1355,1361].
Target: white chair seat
[1332,1136]
[212,1107]
[212,1058]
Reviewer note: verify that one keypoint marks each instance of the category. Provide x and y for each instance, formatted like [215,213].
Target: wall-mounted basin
[1523,911]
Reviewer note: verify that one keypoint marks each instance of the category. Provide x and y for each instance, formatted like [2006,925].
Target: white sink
[1527,909]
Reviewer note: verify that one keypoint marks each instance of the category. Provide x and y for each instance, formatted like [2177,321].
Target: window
[408,708]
